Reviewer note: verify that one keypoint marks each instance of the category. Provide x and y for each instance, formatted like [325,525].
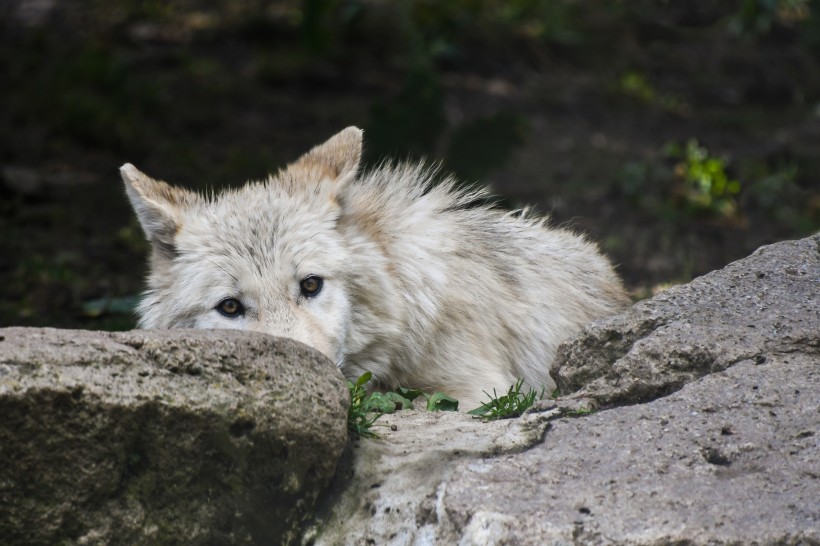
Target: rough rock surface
[731,456]
[179,437]
[386,487]
[765,304]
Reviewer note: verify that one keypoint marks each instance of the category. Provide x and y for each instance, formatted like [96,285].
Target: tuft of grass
[512,404]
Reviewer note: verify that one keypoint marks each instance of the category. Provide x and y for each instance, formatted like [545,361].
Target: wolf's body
[417,283]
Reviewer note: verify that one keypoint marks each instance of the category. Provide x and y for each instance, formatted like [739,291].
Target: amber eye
[230,307]
[311,286]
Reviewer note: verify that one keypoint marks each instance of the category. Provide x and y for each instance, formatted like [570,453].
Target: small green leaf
[481,410]
[379,403]
[399,400]
[364,378]
[438,401]
[410,394]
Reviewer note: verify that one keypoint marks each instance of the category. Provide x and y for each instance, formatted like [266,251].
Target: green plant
[512,404]
[703,181]
[365,409]
[438,401]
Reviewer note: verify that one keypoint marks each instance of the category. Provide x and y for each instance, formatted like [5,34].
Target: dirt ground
[681,136]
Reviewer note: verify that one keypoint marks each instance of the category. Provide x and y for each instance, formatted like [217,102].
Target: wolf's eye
[230,307]
[311,286]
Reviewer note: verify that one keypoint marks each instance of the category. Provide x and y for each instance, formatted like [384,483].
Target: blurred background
[679,134]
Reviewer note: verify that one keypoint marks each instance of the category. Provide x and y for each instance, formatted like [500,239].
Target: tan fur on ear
[158,205]
[336,159]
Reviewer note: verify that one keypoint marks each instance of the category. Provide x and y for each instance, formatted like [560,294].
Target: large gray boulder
[764,305]
[148,437]
[710,433]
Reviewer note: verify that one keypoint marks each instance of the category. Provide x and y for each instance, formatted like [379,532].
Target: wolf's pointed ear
[338,158]
[158,205]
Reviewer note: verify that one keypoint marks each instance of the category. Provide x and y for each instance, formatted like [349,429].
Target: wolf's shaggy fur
[422,286]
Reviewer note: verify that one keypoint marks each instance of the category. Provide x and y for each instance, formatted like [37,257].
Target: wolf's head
[268,256]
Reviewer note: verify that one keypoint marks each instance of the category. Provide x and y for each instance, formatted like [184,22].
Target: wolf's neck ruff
[384,271]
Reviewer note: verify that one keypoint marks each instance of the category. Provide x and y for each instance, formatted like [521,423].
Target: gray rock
[712,436]
[732,458]
[149,437]
[767,303]
[387,489]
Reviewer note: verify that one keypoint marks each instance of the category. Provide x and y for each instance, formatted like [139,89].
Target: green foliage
[365,409]
[399,401]
[512,404]
[408,394]
[688,182]
[703,180]
[438,401]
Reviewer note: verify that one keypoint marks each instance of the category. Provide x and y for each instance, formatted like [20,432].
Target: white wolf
[385,271]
